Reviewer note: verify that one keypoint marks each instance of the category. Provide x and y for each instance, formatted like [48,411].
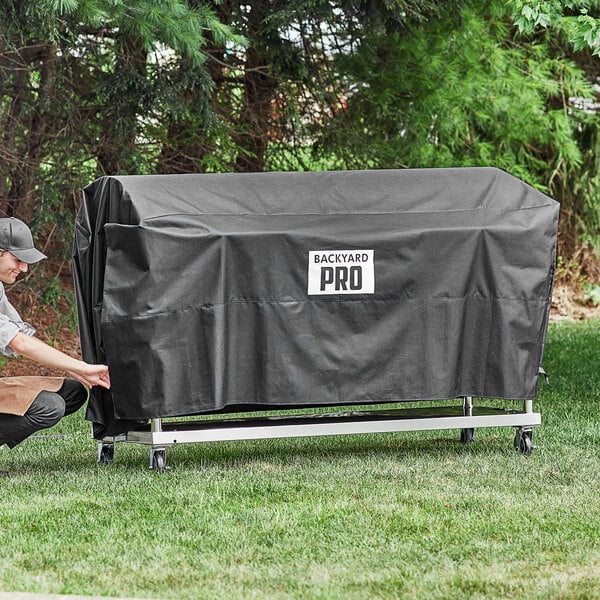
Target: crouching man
[28,404]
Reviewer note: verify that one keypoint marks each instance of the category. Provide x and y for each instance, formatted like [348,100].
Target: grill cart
[293,304]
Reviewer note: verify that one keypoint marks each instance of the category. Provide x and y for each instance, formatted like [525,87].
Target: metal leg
[467,435]
[158,454]
[524,437]
[468,406]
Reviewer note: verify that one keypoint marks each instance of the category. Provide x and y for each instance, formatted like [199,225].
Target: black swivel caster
[158,460]
[524,442]
[106,453]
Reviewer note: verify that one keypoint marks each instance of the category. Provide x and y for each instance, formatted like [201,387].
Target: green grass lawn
[407,515]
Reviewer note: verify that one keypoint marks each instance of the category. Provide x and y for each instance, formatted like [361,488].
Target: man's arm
[46,355]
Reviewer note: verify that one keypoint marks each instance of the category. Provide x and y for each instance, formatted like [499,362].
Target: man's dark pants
[47,410]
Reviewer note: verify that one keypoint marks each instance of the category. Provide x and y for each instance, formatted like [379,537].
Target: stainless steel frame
[160,433]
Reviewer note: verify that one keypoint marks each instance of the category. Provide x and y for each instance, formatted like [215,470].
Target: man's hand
[44,354]
[92,375]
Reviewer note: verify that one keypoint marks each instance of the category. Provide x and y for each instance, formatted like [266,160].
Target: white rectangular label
[341,272]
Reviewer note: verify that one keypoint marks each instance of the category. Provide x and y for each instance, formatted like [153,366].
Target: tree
[577,25]
[271,91]
[141,86]
[470,90]
[82,83]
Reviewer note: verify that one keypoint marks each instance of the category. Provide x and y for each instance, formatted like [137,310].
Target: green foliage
[56,298]
[592,294]
[583,30]
[83,84]
[173,23]
[465,90]
[464,95]
[270,91]
[585,33]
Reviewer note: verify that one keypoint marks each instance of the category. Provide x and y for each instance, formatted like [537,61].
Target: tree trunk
[37,123]
[119,125]
[11,159]
[259,91]
[24,124]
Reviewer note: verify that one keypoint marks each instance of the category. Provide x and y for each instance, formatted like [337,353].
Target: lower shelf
[159,433]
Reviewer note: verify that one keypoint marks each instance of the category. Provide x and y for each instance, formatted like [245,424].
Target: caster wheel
[467,435]
[159,460]
[524,442]
[106,453]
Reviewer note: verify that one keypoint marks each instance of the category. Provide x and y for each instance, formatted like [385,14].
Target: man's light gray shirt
[10,324]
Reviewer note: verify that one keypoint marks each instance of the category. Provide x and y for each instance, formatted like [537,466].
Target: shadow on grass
[45,457]
[292,451]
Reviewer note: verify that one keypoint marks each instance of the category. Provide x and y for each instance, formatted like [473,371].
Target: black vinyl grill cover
[218,292]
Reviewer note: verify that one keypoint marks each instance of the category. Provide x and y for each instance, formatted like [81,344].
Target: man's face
[10,267]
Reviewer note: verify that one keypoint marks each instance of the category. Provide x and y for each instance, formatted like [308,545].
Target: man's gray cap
[16,238]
